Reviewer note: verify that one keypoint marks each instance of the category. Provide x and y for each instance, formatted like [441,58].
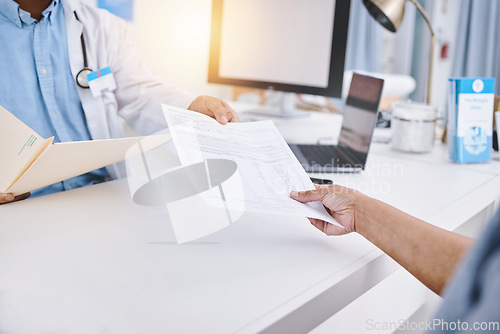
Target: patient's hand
[340,202]
[7,198]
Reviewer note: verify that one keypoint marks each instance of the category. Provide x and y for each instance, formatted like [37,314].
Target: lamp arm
[424,14]
[431,51]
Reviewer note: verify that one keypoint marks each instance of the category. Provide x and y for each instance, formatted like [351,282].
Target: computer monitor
[286,45]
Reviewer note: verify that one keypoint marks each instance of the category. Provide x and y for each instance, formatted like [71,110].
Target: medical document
[266,165]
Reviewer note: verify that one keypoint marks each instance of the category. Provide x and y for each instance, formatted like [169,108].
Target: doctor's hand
[215,108]
[7,198]
[340,203]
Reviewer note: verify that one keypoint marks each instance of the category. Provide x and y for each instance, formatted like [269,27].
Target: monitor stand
[286,109]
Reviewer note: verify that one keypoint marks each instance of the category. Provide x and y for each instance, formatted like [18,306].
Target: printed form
[266,165]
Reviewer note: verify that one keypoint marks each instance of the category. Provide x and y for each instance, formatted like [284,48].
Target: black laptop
[360,118]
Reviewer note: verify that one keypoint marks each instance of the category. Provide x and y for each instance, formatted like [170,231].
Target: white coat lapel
[93,107]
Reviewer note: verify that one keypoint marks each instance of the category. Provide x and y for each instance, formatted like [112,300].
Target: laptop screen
[360,115]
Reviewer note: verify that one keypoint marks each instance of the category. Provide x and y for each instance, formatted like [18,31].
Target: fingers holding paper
[339,203]
[215,108]
[7,198]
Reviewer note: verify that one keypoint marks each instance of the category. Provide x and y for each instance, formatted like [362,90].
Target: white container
[413,127]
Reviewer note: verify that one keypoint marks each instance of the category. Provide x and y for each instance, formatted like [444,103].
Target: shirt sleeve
[471,300]
[483,316]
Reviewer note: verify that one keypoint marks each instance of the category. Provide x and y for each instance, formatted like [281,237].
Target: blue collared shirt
[36,83]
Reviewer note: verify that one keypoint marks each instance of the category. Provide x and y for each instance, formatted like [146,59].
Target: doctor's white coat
[139,94]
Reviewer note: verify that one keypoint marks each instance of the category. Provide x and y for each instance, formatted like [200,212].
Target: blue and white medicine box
[470,119]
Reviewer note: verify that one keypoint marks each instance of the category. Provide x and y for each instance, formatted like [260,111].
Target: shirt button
[44,71]
[17,21]
[69,187]
[54,115]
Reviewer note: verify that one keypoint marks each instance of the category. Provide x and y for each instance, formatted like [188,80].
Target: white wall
[444,19]
[173,37]
[445,16]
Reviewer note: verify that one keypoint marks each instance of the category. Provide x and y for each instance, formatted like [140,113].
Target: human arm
[7,198]
[428,252]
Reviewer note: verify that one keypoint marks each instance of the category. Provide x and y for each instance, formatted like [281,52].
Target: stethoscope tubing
[81,77]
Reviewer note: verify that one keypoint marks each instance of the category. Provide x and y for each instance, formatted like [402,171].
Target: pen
[321,181]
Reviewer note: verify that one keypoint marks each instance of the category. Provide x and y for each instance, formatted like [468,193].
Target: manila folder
[61,161]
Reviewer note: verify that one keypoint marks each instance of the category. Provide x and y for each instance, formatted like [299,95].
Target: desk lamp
[389,13]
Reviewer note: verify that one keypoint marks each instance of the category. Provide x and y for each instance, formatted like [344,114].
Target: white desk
[91,261]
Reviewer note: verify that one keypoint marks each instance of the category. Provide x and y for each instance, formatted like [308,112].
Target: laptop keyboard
[322,155]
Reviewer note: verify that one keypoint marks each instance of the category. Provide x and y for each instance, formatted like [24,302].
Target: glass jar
[413,127]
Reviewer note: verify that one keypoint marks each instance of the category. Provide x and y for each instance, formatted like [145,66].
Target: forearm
[426,251]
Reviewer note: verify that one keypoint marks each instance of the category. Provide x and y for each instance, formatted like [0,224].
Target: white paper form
[267,166]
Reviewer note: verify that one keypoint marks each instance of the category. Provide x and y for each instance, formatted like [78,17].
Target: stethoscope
[81,77]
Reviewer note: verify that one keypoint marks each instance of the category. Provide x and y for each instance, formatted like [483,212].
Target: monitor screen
[289,45]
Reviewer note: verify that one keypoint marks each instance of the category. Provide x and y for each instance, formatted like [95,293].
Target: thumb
[309,195]
[6,198]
